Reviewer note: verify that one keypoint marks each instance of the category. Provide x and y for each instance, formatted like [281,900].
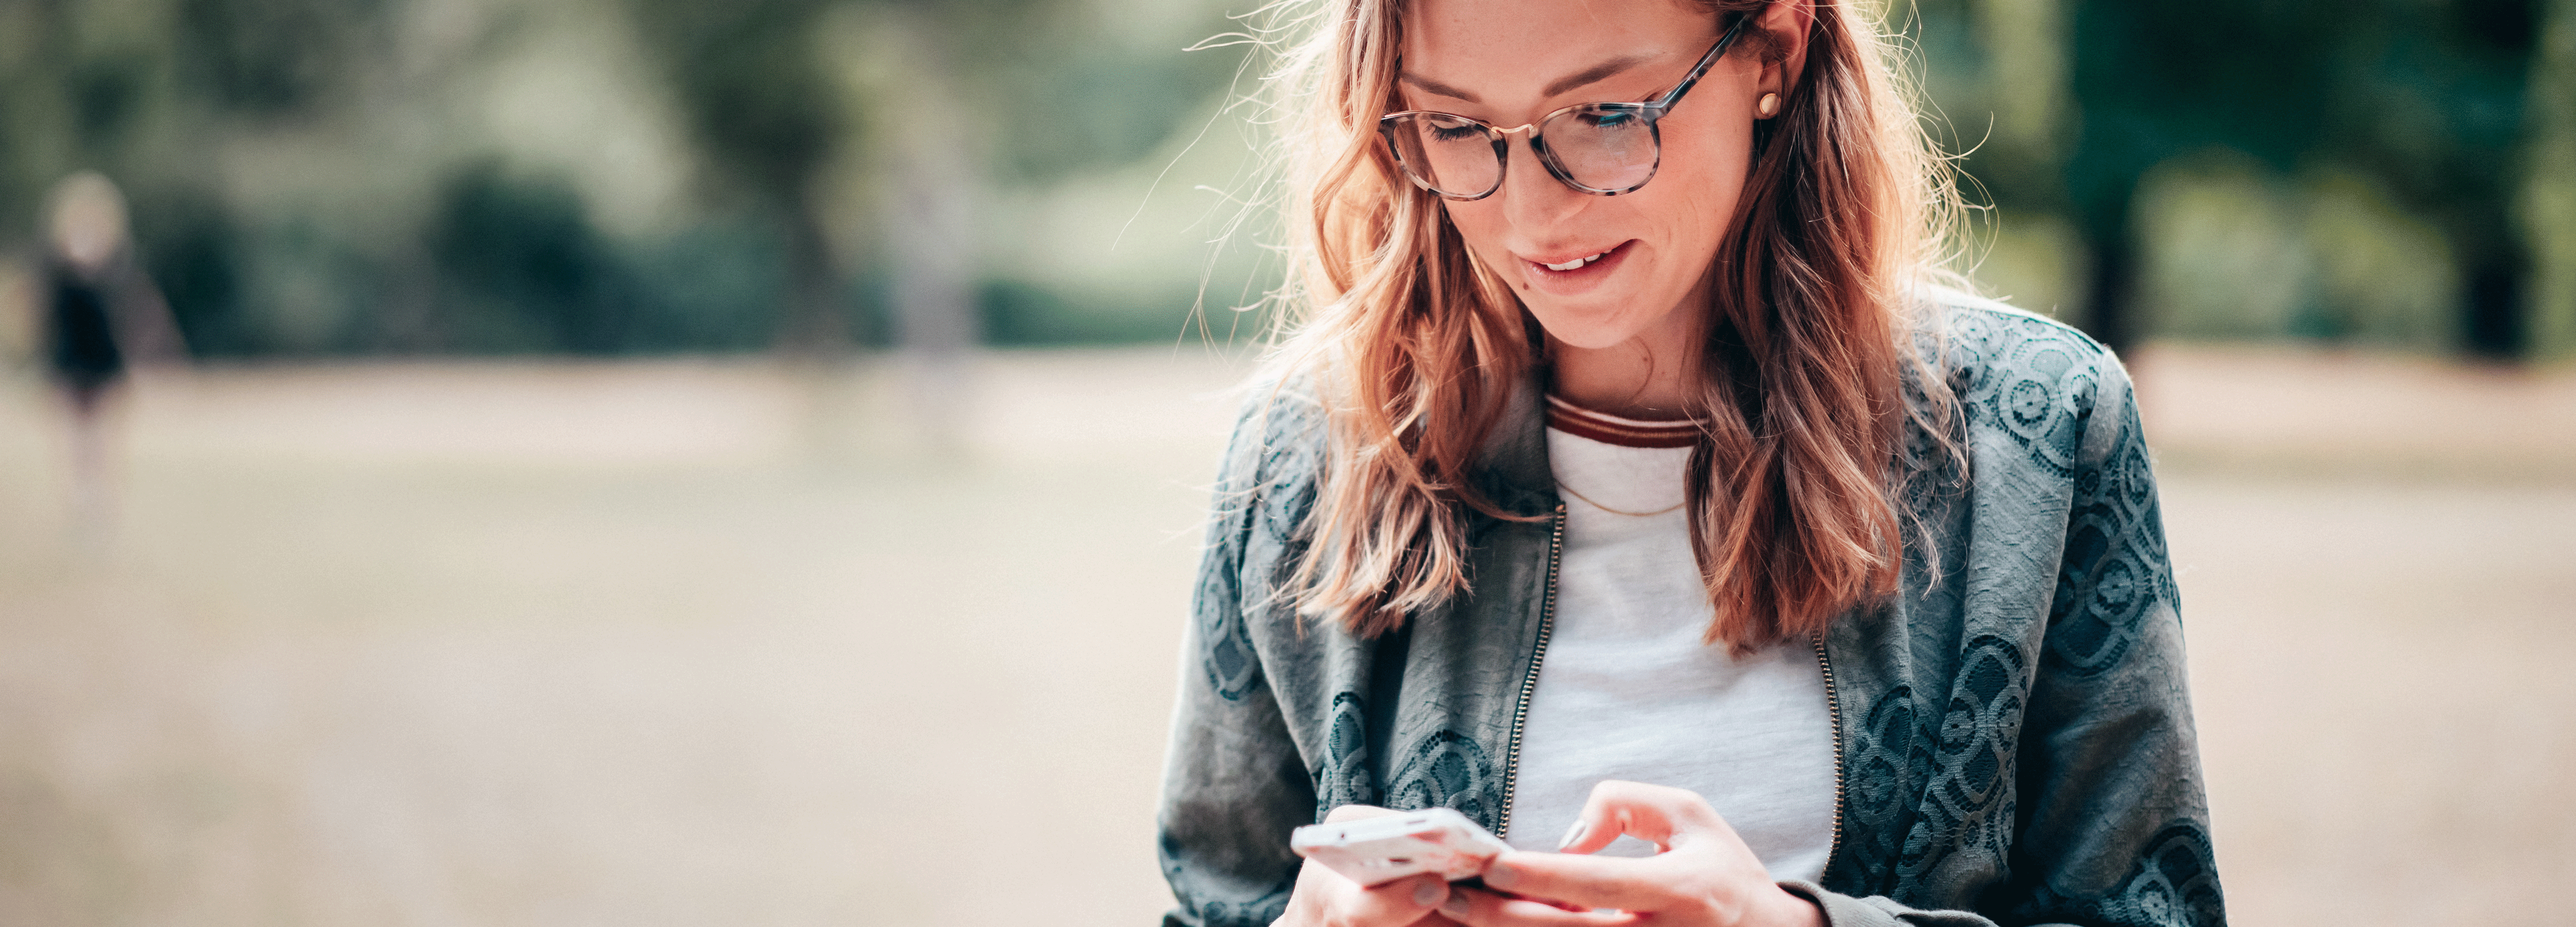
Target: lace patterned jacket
[2014,739]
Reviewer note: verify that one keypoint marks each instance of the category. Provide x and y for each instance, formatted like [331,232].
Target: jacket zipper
[1833,707]
[1529,681]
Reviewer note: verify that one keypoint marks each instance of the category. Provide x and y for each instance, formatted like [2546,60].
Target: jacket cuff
[1842,910]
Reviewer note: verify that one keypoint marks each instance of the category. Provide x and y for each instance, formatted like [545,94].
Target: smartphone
[1375,851]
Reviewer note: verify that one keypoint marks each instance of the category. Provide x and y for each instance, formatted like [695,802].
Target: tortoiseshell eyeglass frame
[1652,111]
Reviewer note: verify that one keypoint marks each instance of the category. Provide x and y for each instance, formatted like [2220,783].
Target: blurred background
[662,462]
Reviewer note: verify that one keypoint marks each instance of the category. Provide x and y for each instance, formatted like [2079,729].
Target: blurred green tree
[2549,196]
[270,58]
[768,119]
[527,256]
[2425,97]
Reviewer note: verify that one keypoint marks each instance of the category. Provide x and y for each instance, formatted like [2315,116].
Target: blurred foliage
[1102,107]
[619,176]
[267,59]
[1018,313]
[750,84]
[522,253]
[2548,203]
[529,272]
[767,121]
[2351,131]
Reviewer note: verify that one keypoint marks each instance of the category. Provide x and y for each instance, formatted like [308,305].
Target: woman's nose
[1531,195]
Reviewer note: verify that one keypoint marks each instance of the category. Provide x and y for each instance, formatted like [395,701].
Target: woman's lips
[1586,270]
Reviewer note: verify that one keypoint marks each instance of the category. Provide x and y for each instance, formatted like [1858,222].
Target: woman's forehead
[1493,50]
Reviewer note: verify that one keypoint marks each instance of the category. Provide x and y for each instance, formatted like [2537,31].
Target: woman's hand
[1705,877]
[1324,898]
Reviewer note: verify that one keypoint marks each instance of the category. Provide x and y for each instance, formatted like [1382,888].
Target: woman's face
[1510,62]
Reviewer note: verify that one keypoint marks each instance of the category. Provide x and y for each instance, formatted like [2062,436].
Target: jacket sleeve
[2112,826]
[1234,784]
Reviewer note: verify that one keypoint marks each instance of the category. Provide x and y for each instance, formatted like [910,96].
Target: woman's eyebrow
[1599,72]
[1437,87]
[1602,71]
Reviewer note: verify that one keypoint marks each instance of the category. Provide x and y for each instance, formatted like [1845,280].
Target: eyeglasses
[1604,149]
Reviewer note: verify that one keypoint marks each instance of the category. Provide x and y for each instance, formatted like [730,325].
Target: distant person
[101,314]
[1628,482]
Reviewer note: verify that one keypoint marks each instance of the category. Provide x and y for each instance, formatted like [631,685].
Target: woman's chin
[1588,328]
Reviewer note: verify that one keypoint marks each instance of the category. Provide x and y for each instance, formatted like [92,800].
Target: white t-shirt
[1626,689]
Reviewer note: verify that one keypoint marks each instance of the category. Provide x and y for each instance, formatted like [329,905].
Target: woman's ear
[1789,22]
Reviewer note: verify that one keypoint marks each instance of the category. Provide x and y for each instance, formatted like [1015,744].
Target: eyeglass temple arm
[1715,52]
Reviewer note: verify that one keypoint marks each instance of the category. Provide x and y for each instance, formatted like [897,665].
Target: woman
[1629,479]
[100,314]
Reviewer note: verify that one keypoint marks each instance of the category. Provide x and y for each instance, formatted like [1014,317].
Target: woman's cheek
[1477,227]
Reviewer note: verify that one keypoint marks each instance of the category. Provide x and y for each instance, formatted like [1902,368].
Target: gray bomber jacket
[2013,737]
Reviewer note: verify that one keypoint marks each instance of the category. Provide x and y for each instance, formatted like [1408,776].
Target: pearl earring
[1768,106]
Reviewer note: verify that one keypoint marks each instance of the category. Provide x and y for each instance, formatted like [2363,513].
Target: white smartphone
[1375,851]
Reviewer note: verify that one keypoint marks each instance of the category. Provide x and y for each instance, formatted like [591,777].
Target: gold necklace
[1569,490]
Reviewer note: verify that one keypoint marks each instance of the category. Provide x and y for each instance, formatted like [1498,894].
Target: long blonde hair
[1792,489]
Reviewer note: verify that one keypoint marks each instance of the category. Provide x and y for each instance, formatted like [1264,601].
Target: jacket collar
[1512,468]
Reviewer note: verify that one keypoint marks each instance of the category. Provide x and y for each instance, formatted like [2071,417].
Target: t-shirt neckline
[1622,432]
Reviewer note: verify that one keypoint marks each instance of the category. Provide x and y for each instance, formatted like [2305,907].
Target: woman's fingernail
[1500,876]
[1572,834]
[1427,894]
[1457,904]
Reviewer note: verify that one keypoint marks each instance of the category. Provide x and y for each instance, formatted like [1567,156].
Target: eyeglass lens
[1601,149]
[1447,153]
